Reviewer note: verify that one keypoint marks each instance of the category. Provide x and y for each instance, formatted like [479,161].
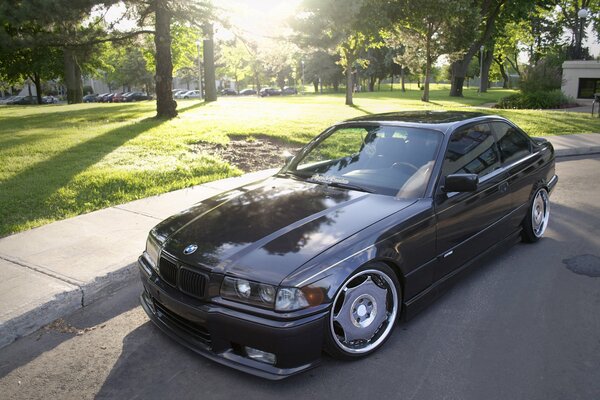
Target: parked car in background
[102,98]
[190,94]
[366,225]
[49,100]
[119,97]
[137,96]
[228,92]
[247,92]
[5,100]
[289,90]
[90,98]
[22,100]
[269,91]
[108,98]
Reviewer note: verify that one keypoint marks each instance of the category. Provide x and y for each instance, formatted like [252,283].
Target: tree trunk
[72,77]
[488,58]
[392,84]
[349,83]
[166,107]
[459,72]
[38,87]
[403,79]
[316,85]
[372,80]
[210,84]
[425,96]
[502,72]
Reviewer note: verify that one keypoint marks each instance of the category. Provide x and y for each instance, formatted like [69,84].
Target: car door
[468,223]
[515,149]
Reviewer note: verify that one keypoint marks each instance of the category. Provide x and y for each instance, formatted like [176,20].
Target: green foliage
[325,66]
[236,61]
[541,99]
[543,77]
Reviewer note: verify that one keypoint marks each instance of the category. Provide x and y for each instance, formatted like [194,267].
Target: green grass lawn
[58,161]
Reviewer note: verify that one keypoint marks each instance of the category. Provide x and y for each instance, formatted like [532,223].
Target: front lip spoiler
[228,357]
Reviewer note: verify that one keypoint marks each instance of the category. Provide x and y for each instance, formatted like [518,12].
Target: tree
[568,17]
[346,27]
[376,68]
[36,64]
[489,16]
[236,61]
[323,68]
[425,29]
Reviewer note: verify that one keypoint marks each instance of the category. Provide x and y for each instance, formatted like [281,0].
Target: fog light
[259,355]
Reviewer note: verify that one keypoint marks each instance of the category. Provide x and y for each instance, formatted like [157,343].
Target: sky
[259,18]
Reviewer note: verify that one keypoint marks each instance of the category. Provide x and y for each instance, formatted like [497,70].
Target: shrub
[545,76]
[536,100]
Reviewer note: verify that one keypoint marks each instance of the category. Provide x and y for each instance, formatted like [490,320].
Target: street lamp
[582,14]
[302,63]
[198,43]
[481,68]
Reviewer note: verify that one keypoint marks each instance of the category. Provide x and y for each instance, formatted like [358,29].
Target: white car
[190,94]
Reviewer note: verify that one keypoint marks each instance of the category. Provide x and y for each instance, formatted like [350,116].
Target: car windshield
[390,160]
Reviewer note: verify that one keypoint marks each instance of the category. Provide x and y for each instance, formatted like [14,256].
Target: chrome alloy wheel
[540,213]
[364,312]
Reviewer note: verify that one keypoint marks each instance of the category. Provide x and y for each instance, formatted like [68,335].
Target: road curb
[577,152]
[64,303]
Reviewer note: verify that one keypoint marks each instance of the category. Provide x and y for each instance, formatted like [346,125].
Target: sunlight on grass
[58,161]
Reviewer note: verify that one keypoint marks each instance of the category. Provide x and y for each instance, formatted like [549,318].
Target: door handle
[503,187]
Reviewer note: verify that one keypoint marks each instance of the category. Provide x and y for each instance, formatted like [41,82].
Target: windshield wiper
[342,185]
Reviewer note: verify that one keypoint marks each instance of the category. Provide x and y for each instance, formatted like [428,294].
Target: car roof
[439,120]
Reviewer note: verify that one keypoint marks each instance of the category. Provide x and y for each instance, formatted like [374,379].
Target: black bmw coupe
[367,224]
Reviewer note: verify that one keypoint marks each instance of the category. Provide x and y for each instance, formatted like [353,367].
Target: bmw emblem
[191,248]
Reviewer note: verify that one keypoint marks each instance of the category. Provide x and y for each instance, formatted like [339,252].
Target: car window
[390,160]
[471,150]
[512,143]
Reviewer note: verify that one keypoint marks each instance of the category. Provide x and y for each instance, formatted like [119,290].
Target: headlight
[152,250]
[290,299]
[245,291]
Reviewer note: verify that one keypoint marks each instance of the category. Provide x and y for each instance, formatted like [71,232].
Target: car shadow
[28,348]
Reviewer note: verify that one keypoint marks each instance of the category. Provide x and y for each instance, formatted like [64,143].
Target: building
[581,80]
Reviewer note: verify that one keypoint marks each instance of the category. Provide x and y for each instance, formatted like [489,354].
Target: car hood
[265,231]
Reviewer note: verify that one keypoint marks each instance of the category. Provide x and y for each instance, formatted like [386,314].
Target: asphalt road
[524,326]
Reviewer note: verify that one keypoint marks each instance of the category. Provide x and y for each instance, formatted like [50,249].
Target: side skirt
[419,302]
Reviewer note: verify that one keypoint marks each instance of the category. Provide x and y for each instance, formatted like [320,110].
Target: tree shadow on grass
[359,108]
[66,114]
[23,197]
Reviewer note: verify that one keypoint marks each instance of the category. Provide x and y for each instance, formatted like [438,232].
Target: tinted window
[513,144]
[471,150]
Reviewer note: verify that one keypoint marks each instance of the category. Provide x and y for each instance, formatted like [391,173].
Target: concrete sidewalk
[50,271]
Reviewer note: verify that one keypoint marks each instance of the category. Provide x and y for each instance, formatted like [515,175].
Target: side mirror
[461,183]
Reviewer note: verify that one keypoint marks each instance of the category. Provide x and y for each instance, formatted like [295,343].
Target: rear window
[471,150]
[512,143]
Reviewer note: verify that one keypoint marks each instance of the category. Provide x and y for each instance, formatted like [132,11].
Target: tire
[364,312]
[538,215]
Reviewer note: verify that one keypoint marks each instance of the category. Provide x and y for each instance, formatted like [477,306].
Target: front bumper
[220,333]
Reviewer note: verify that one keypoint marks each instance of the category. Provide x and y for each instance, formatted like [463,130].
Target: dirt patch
[249,153]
